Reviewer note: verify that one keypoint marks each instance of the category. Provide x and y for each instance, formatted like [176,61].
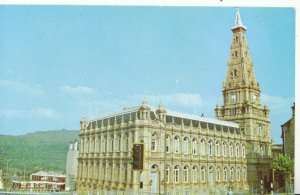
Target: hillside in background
[42,150]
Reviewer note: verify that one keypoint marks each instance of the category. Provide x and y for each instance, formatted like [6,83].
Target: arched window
[225,174]
[231,149]
[176,174]
[237,150]
[218,174]
[112,143]
[168,144]
[153,142]
[202,147]
[210,148]
[186,145]
[105,144]
[194,146]
[210,175]
[167,174]
[120,142]
[224,149]
[194,174]
[185,174]
[217,148]
[244,173]
[231,174]
[203,174]
[176,144]
[243,151]
[262,150]
[238,174]
[260,130]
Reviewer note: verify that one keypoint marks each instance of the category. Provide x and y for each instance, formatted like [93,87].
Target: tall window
[105,144]
[153,142]
[262,150]
[202,174]
[120,142]
[176,174]
[260,130]
[112,143]
[224,149]
[194,174]
[231,149]
[210,175]
[218,174]
[210,148]
[243,151]
[244,174]
[127,141]
[231,174]
[185,174]
[217,148]
[167,174]
[186,145]
[225,174]
[202,147]
[237,150]
[99,144]
[176,144]
[238,174]
[168,144]
[194,146]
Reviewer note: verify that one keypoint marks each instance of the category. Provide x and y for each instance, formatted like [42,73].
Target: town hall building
[182,151]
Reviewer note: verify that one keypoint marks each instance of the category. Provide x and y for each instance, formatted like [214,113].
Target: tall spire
[238,21]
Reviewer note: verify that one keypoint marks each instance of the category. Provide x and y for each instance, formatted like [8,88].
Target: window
[185,174]
[153,142]
[231,174]
[225,174]
[194,174]
[120,142]
[202,174]
[168,144]
[237,149]
[186,145]
[236,54]
[238,174]
[127,141]
[231,149]
[202,147]
[210,148]
[224,149]
[176,144]
[210,175]
[217,148]
[112,143]
[218,174]
[243,151]
[194,146]
[168,174]
[176,174]
[262,151]
[260,130]
[105,144]
[244,173]
[99,144]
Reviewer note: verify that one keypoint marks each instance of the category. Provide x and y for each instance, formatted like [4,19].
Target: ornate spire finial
[238,20]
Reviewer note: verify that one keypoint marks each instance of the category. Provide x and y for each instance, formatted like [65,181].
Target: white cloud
[39,112]
[22,87]
[277,104]
[77,89]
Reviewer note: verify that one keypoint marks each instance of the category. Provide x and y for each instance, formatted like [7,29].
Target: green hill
[42,150]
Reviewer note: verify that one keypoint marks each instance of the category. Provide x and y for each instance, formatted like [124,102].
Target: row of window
[202,150]
[229,174]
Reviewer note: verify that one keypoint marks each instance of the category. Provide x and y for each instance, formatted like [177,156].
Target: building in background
[288,135]
[42,182]
[71,166]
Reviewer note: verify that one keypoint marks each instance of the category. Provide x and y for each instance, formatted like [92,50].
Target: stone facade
[288,135]
[241,104]
[185,151]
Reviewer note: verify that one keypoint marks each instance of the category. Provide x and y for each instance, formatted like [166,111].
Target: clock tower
[241,104]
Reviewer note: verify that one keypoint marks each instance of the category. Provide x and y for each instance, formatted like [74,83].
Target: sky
[59,63]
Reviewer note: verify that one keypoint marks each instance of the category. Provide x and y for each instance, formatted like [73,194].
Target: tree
[283,165]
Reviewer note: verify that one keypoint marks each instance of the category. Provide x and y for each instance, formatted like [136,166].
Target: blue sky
[60,62]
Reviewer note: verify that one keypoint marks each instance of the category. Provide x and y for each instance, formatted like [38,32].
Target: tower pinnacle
[238,21]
